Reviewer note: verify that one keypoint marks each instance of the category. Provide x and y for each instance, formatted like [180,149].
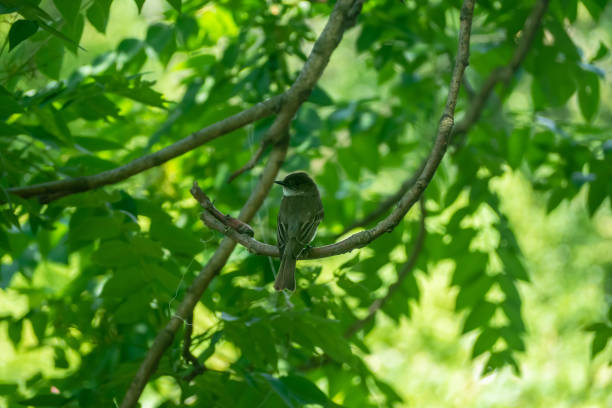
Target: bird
[300,213]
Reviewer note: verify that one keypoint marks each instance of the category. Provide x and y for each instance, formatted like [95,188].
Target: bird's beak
[279,182]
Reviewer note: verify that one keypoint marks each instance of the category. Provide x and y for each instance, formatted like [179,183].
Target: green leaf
[20,31]
[96,144]
[75,32]
[95,227]
[49,58]
[517,144]
[146,247]
[187,29]
[595,7]
[97,14]
[320,97]
[161,38]
[60,359]
[176,4]
[479,316]
[280,389]
[8,103]
[69,9]
[596,196]
[512,264]
[46,400]
[469,266]
[304,391]
[473,292]
[588,94]
[114,253]
[512,337]
[15,329]
[210,350]
[486,339]
[139,4]
[178,240]
[38,319]
[134,308]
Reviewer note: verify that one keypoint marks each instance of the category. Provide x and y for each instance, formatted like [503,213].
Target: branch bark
[211,269]
[363,238]
[55,189]
[477,104]
[342,17]
[344,14]
[506,72]
[387,203]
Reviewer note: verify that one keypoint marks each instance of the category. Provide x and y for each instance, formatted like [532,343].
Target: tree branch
[200,283]
[475,110]
[55,189]
[312,70]
[503,73]
[407,200]
[343,16]
[198,368]
[406,270]
[387,203]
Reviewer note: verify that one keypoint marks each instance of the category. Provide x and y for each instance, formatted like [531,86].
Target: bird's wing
[281,234]
[308,229]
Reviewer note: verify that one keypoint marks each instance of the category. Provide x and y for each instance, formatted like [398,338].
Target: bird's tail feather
[286,273]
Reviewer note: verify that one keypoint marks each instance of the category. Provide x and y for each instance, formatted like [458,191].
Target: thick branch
[342,17]
[55,189]
[164,339]
[201,282]
[363,238]
[406,270]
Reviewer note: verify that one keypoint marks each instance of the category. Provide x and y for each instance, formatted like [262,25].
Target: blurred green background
[425,358]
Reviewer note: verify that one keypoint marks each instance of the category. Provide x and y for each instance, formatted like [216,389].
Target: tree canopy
[139,144]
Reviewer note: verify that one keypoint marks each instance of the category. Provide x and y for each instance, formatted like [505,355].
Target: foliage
[99,273]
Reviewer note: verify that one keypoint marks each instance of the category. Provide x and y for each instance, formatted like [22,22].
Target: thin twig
[477,104]
[405,271]
[55,189]
[387,203]
[408,199]
[198,368]
[200,283]
[502,73]
[219,258]
[342,17]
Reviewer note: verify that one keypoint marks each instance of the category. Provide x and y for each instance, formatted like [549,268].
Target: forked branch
[474,111]
[363,238]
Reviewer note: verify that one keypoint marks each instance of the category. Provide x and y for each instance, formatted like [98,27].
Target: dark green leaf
[473,292]
[176,4]
[161,38]
[139,4]
[512,264]
[97,14]
[49,58]
[20,31]
[8,103]
[479,316]
[69,9]
[588,95]
[485,341]
[303,391]
[114,253]
[46,400]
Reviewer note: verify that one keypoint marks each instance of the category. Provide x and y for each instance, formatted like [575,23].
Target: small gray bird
[300,213]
